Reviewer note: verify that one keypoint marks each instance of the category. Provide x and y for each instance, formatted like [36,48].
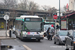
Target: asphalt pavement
[33,44]
[7,41]
[43,45]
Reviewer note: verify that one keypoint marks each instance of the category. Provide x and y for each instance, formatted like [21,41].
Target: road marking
[27,47]
[46,37]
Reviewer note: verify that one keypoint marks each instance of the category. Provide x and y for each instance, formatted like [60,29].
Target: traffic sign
[55,16]
[6,17]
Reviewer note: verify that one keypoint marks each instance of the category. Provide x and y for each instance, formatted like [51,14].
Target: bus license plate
[33,38]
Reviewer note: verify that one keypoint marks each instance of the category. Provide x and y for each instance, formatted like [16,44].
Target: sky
[52,3]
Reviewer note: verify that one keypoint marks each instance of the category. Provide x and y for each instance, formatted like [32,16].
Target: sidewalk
[3,35]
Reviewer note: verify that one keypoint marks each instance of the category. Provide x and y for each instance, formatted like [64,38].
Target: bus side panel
[18,27]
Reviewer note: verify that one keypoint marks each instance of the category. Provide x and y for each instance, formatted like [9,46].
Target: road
[32,44]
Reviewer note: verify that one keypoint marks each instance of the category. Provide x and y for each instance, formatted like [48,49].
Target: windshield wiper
[27,29]
[32,29]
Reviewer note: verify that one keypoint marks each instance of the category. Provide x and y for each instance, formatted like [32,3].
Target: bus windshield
[32,26]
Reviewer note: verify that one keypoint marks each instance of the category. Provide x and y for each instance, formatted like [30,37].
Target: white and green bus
[29,27]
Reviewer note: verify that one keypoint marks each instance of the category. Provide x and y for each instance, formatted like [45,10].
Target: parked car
[59,38]
[70,41]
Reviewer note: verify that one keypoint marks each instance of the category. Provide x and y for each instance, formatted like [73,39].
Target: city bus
[29,27]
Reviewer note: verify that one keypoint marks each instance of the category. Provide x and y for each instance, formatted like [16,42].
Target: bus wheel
[67,49]
[22,39]
[16,34]
[38,40]
[16,37]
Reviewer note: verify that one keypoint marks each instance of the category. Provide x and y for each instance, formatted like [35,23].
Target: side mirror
[21,23]
[43,23]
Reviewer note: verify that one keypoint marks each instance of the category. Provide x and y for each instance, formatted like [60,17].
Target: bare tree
[46,8]
[52,10]
[1,5]
[33,6]
[28,5]
[64,8]
[9,3]
[23,4]
[49,9]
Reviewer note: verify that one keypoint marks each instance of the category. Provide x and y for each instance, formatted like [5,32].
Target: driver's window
[24,26]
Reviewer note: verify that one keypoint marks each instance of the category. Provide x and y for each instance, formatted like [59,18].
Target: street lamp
[59,14]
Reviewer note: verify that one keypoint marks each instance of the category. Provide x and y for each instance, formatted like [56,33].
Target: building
[72,5]
[68,21]
[16,13]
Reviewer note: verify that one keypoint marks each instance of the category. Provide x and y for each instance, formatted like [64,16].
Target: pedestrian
[10,32]
[11,26]
[48,31]
[57,26]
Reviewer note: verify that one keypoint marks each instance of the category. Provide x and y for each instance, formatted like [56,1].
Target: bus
[29,27]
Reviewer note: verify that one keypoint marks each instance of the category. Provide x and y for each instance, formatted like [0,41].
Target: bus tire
[16,34]
[38,40]
[21,38]
[67,49]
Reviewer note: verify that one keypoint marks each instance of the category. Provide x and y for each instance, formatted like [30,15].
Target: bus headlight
[24,33]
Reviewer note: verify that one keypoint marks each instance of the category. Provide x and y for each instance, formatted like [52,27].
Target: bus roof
[19,18]
[49,22]
[28,16]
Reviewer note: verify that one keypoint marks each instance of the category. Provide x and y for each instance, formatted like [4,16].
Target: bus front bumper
[33,37]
